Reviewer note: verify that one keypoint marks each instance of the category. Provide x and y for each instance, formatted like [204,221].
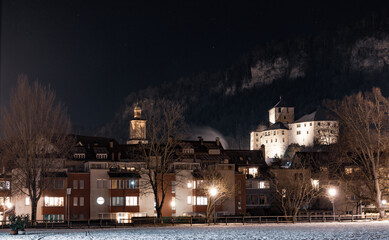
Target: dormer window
[214,151]
[79,156]
[188,150]
[101,156]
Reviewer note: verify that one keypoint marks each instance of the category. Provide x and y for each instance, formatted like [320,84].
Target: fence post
[352,217]
[191,220]
[260,219]
[243,220]
[339,218]
[226,220]
[324,215]
[277,220]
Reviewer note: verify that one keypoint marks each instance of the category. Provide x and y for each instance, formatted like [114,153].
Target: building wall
[240,194]
[79,212]
[184,185]
[307,133]
[302,133]
[275,141]
[95,192]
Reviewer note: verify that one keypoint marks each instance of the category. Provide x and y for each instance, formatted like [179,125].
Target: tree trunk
[381,210]
[34,205]
[159,213]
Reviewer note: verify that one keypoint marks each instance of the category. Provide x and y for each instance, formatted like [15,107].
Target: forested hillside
[304,71]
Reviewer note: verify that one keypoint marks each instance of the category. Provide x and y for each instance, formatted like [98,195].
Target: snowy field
[356,230]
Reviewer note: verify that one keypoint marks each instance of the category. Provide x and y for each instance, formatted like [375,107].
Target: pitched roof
[246,157]
[320,114]
[282,103]
[277,125]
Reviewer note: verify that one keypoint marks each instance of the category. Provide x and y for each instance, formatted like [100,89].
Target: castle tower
[281,112]
[137,128]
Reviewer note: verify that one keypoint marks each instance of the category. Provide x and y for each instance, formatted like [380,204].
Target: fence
[136,221]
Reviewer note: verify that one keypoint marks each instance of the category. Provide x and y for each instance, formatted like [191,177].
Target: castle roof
[277,125]
[282,103]
[320,114]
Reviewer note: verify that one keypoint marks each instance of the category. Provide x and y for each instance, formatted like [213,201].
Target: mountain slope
[304,71]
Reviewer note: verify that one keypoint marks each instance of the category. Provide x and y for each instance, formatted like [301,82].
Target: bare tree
[35,130]
[364,140]
[216,188]
[296,187]
[165,129]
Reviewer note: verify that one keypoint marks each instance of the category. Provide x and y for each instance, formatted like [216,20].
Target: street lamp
[68,192]
[213,193]
[332,192]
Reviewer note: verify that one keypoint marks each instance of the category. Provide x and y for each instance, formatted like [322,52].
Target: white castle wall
[307,133]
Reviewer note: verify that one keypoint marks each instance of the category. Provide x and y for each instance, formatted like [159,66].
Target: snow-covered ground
[356,230]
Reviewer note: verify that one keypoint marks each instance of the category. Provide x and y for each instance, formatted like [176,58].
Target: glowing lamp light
[213,191]
[189,185]
[100,200]
[9,205]
[173,203]
[132,182]
[332,192]
[384,202]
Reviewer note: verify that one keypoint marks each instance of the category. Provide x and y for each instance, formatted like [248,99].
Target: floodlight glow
[384,202]
[213,191]
[332,192]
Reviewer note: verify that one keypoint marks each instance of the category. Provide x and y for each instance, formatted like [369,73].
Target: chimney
[217,141]
[263,151]
[111,144]
[200,139]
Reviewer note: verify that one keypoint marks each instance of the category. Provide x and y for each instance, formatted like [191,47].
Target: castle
[317,127]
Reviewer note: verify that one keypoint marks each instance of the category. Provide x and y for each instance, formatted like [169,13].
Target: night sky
[95,53]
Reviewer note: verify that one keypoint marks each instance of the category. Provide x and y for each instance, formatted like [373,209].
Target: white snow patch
[355,230]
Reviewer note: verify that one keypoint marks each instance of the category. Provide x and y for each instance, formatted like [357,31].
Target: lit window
[75,184]
[75,201]
[253,171]
[173,203]
[315,184]
[131,201]
[81,184]
[201,201]
[54,202]
[189,200]
[81,201]
[27,201]
[189,184]
[263,184]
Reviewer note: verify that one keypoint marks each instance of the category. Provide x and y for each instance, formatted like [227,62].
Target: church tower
[137,128]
